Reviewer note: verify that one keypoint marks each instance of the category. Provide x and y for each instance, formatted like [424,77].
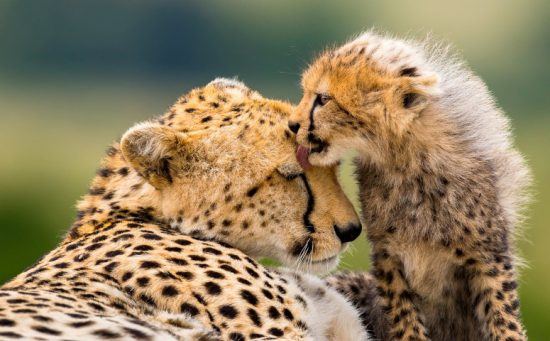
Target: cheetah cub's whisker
[441,185]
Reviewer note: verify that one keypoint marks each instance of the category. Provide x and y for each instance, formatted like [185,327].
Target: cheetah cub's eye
[323,99]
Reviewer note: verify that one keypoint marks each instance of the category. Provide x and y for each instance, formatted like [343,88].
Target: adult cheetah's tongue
[302,154]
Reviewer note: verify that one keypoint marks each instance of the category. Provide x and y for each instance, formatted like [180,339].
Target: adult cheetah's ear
[234,87]
[152,150]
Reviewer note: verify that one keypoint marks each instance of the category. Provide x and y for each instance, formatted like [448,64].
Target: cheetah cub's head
[223,161]
[365,95]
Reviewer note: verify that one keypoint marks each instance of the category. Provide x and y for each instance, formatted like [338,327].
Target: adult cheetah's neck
[116,193]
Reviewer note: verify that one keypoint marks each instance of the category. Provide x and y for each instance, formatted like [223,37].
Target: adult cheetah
[440,182]
[162,245]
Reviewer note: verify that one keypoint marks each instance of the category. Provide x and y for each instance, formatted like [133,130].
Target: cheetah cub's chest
[427,269]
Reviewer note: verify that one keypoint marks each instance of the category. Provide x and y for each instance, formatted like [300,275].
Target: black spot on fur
[251,192]
[197,258]
[228,311]
[254,317]
[106,334]
[123,171]
[46,330]
[509,286]
[81,324]
[149,265]
[114,253]
[169,291]
[190,309]
[104,172]
[212,288]
[183,242]
[251,272]
[143,248]
[288,314]
[185,275]
[148,299]
[136,334]
[11,335]
[267,294]
[276,332]
[151,236]
[229,268]
[249,297]
[273,313]
[409,72]
[7,323]
[214,274]
[178,261]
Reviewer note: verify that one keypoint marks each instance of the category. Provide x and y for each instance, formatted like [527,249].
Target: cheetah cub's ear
[154,151]
[418,90]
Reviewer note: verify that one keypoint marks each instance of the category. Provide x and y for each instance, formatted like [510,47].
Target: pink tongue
[302,154]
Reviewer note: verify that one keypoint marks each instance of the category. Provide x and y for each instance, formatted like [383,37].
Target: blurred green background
[75,74]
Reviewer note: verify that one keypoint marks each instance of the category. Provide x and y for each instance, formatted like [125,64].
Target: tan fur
[441,185]
[162,243]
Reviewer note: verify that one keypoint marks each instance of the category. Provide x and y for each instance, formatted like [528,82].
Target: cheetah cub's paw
[331,314]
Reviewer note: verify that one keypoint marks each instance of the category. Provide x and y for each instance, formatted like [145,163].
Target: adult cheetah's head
[223,161]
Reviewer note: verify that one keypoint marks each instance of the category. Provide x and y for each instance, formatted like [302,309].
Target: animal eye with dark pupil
[292,176]
[322,99]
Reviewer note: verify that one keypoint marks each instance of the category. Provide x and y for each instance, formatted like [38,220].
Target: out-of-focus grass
[52,139]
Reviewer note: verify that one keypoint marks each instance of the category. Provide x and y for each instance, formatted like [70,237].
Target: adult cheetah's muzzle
[345,235]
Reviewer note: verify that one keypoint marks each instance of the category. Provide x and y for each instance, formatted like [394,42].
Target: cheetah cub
[441,184]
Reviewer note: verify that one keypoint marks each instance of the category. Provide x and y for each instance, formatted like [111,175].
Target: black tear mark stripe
[311,122]
[316,103]
[310,204]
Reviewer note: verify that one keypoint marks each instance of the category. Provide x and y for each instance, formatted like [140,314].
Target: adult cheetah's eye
[322,99]
[290,171]
[290,177]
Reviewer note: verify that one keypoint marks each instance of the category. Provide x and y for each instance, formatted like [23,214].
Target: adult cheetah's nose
[294,126]
[349,233]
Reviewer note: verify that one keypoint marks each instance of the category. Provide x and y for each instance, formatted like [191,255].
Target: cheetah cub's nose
[349,233]
[294,127]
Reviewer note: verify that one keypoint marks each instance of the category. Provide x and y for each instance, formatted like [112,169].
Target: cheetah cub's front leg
[405,321]
[494,297]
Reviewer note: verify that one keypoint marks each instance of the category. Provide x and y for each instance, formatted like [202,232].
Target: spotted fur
[360,289]
[441,184]
[163,242]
